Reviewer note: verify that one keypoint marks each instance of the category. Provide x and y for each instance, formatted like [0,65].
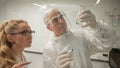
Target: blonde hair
[7,58]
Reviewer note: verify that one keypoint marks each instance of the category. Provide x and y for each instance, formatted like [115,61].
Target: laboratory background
[106,11]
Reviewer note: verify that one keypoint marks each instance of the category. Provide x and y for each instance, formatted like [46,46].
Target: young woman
[15,36]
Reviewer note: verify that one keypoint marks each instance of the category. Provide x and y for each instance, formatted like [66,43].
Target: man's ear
[49,27]
[9,37]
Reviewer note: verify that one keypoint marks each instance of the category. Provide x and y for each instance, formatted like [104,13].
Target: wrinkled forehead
[52,13]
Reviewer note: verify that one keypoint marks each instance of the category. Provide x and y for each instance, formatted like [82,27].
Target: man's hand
[63,60]
[21,65]
[88,18]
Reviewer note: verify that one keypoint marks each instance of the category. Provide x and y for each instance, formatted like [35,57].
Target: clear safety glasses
[56,19]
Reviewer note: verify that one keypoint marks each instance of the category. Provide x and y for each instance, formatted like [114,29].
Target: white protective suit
[102,37]
[84,43]
[69,40]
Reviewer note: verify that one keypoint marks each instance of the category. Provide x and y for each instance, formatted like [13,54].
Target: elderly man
[66,49]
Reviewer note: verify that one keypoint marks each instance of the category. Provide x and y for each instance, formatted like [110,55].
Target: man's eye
[61,16]
[55,19]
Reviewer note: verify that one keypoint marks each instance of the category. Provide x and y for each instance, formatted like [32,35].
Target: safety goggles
[56,19]
[24,32]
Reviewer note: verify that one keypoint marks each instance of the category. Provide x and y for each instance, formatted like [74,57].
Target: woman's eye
[24,32]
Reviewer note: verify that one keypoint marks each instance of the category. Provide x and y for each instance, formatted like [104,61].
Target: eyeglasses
[56,19]
[24,32]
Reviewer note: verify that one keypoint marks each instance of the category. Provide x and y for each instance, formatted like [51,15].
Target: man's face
[57,23]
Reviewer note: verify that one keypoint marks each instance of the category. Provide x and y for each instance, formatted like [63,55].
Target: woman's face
[22,36]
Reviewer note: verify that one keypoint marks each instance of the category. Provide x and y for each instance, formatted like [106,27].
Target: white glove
[87,18]
[63,60]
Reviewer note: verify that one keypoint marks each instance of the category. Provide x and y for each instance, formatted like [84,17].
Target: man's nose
[60,20]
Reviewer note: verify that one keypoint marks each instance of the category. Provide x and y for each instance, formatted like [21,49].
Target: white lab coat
[102,37]
[69,40]
[23,60]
